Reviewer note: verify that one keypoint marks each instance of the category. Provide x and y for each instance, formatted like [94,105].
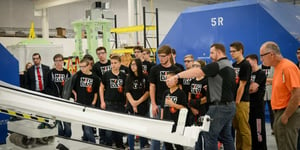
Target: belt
[277,110]
[221,103]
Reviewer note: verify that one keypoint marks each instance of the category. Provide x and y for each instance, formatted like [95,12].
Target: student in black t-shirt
[157,78]
[243,74]
[55,82]
[137,93]
[257,114]
[85,92]
[103,65]
[197,95]
[173,100]
[197,100]
[147,60]
[180,66]
[112,96]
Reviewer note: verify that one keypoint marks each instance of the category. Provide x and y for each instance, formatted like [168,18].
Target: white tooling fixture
[19,99]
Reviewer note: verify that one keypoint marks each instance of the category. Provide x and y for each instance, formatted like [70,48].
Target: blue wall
[250,22]
[10,74]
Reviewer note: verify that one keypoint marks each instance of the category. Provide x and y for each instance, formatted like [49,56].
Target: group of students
[231,94]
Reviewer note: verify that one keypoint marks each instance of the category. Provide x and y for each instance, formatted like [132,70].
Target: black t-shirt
[55,81]
[221,81]
[197,92]
[147,67]
[158,76]
[186,85]
[114,87]
[86,86]
[257,98]
[266,69]
[171,113]
[137,89]
[99,69]
[180,66]
[124,69]
[243,72]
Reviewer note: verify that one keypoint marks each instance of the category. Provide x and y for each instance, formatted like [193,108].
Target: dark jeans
[143,142]
[64,128]
[88,134]
[220,126]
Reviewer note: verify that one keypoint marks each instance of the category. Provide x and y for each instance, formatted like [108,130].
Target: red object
[237,79]
[39,78]
[120,89]
[173,110]
[63,82]
[89,89]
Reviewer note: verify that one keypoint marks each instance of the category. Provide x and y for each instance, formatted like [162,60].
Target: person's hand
[154,110]
[284,119]
[103,106]
[135,110]
[194,111]
[169,101]
[134,103]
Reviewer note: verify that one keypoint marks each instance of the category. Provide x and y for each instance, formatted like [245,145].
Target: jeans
[143,141]
[220,127]
[155,144]
[64,128]
[88,134]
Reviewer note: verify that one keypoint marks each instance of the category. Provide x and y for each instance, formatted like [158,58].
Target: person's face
[115,64]
[298,55]
[170,84]
[251,62]
[36,60]
[133,67]
[137,53]
[58,62]
[84,67]
[265,56]
[196,64]
[188,62]
[146,55]
[164,58]
[101,55]
[28,66]
[235,53]
[213,54]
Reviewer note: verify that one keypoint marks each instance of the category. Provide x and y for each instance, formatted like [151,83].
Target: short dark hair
[36,54]
[58,56]
[238,46]
[253,57]
[298,49]
[138,48]
[147,50]
[219,46]
[101,48]
[173,51]
[116,57]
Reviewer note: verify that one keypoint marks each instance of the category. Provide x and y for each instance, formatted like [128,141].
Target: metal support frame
[92,28]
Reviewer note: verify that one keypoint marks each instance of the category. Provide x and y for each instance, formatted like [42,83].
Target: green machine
[92,27]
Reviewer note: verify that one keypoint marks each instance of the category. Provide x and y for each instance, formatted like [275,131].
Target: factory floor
[77,145]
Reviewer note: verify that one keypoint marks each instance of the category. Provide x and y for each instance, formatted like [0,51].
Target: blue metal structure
[10,74]
[251,22]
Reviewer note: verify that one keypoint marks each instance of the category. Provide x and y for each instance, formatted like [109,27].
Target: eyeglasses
[82,66]
[60,60]
[188,61]
[262,55]
[195,65]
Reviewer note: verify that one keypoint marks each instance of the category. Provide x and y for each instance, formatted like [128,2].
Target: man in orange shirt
[285,98]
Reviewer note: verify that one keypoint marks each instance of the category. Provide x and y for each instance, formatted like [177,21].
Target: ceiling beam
[40,4]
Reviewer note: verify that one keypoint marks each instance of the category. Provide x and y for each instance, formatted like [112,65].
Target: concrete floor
[77,133]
